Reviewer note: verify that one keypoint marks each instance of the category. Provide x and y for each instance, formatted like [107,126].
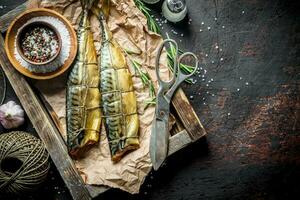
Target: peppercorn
[40,44]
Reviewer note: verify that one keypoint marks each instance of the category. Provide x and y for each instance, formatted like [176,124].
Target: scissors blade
[159,142]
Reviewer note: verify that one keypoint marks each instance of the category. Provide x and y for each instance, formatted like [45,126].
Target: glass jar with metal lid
[174,10]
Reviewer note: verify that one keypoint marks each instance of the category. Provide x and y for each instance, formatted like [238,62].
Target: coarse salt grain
[65,46]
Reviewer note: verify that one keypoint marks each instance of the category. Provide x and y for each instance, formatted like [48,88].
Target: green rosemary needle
[145,77]
[152,25]
[171,53]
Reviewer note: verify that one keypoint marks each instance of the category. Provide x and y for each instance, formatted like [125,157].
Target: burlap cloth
[129,28]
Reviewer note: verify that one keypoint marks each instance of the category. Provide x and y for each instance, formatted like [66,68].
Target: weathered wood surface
[10,16]
[179,141]
[187,115]
[45,128]
[252,147]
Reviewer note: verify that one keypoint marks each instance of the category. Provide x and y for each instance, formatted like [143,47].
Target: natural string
[34,157]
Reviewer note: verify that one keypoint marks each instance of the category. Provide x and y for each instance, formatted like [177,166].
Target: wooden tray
[11,35]
[188,128]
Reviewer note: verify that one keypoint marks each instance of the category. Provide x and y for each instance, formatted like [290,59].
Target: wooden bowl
[11,39]
[29,26]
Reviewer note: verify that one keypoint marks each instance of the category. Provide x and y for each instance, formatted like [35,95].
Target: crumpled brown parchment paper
[129,28]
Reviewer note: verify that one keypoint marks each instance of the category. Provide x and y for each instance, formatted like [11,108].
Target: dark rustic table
[247,97]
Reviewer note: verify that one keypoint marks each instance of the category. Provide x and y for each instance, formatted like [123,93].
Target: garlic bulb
[11,115]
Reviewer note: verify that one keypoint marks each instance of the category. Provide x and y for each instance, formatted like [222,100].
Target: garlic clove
[11,115]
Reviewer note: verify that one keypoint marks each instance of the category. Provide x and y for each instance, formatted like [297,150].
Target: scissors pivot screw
[162,113]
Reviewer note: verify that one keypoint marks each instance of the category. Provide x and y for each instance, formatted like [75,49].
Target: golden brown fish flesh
[118,101]
[83,94]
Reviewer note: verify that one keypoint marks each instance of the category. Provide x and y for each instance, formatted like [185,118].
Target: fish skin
[83,94]
[118,103]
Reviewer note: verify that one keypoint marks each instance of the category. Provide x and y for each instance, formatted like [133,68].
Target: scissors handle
[162,83]
[180,75]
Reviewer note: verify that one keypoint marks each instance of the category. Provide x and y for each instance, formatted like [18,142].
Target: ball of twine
[23,162]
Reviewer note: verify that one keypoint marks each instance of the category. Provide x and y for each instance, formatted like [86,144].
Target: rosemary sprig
[152,25]
[146,80]
[145,77]
[171,53]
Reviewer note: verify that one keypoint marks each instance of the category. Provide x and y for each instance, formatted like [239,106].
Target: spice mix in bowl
[38,43]
[41,43]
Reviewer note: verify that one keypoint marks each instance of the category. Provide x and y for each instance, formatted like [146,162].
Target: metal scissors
[159,140]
